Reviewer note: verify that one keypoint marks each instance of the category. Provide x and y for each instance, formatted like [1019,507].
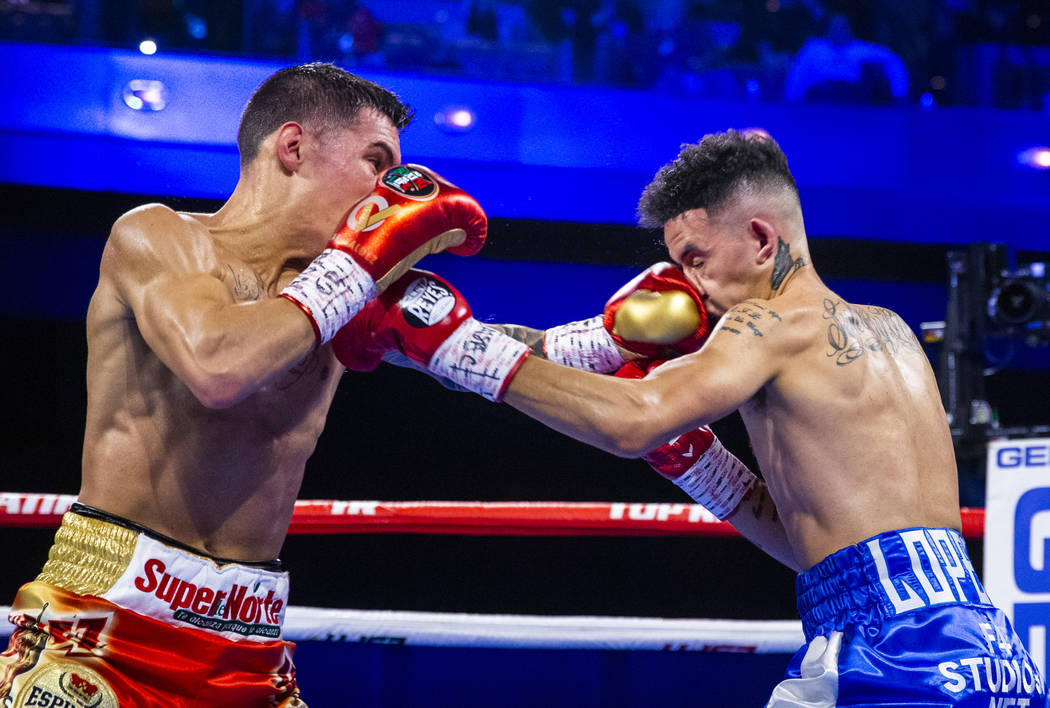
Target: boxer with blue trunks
[859,484]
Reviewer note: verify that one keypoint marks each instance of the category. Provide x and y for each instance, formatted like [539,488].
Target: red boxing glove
[411,212]
[426,319]
[696,461]
[658,314]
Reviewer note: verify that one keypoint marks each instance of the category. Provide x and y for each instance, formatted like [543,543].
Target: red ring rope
[20,509]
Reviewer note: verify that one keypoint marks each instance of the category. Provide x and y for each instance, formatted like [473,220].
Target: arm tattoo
[247,286]
[761,500]
[853,330]
[783,264]
[305,367]
[749,319]
[529,336]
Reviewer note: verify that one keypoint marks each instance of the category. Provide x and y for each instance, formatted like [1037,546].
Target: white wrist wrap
[584,345]
[718,481]
[331,290]
[479,359]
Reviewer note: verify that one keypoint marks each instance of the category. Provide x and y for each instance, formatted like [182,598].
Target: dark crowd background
[943,52]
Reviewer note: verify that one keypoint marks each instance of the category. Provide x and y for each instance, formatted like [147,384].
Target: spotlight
[1038,157]
[455,119]
[145,95]
[148,47]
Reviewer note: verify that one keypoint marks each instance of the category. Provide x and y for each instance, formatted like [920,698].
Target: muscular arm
[168,276]
[630,417]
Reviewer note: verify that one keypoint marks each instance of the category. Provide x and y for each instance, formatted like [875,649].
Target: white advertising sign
[1017,539]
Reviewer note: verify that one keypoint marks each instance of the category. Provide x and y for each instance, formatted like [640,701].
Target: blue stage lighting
[145,95]
[1038,157]
[455,119]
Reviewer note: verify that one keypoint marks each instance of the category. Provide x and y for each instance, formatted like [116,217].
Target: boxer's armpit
[530,337]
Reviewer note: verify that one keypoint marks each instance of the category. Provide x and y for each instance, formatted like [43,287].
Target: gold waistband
[88,556]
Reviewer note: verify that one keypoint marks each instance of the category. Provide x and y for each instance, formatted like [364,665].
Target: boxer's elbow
[218,391]
[636,427]
[219,394]
[217,380]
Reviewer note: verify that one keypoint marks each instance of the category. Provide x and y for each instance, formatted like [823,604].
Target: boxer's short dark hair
[318,94]
[706,174]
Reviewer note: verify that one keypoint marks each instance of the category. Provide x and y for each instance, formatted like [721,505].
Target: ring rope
[450,629]
[328,516]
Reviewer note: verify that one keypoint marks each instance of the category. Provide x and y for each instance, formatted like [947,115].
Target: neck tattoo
[783,265]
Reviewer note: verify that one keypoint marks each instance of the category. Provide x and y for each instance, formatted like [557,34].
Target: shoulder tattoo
[749,318]
[852,331]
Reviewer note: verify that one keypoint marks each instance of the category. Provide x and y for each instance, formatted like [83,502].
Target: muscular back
[849,431]
[222,478]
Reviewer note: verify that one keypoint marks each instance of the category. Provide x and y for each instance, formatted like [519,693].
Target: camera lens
[1017,301]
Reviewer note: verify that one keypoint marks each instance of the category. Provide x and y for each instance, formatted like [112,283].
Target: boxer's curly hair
[707,174]
[320,94]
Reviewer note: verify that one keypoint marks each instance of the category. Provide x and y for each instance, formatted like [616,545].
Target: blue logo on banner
[1027,456]
[1027,616]
[1033,503]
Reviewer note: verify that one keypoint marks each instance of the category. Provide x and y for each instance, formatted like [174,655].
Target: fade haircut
[708,174]
[320,95]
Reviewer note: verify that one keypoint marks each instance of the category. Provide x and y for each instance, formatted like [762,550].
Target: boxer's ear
[763,239]
[288,144]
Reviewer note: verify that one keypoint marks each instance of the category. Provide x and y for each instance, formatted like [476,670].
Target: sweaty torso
[221,480]
[850,433]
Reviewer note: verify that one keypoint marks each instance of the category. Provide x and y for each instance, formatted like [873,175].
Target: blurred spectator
[771,34]
[839,68]
[623,56]
[693,54]
[38,21]
[773,31]
[568,23]
[483,20]
[339,30]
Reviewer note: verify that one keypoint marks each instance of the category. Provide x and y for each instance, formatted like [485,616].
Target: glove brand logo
[411,182]
[426,302]
[370,213]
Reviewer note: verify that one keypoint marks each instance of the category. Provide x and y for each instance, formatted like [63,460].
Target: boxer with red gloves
[206,395]
[411,213]
[657,314]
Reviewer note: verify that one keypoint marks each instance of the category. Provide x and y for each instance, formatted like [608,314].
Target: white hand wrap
[479,359]
[717,481]
[331,290]
[584,345]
